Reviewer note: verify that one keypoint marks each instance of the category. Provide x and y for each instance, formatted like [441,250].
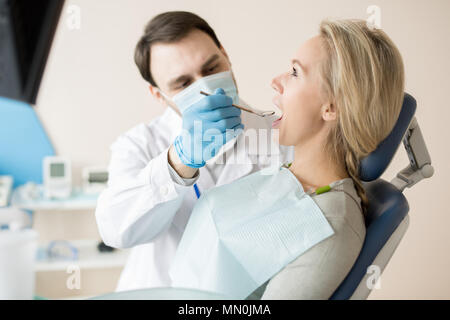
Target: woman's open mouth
[277,122]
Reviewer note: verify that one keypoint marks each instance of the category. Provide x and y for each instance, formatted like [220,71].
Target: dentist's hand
[207,126]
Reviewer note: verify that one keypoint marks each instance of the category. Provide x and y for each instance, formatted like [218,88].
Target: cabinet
[71,220]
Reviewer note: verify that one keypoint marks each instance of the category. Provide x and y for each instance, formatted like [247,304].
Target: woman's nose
[277,84]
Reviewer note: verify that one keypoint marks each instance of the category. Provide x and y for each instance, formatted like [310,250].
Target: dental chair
[23,142]
[387,217]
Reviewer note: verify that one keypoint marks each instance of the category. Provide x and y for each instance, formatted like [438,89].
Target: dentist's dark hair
[167,27]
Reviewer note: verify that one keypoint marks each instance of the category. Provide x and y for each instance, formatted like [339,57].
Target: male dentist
[155,175]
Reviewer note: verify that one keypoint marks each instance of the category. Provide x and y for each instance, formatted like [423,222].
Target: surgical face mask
[186,98]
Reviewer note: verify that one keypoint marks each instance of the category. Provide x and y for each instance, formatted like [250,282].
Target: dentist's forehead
[185,57]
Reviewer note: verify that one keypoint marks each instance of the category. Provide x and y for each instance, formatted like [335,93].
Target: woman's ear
[329,112]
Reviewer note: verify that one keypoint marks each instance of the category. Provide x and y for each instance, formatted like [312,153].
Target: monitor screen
[26,33]
[57,170]
[98,177]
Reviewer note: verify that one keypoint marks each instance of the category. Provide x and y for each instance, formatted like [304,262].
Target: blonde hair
[363,76]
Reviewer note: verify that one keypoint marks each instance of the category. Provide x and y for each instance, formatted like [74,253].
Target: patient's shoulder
[317,273]
[342,207]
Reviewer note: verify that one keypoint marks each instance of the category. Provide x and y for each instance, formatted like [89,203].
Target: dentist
[158,170]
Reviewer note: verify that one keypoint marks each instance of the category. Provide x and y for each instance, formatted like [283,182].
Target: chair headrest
[373,166]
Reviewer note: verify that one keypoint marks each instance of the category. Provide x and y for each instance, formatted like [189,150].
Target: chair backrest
[23,142]
[373,166]
[388,208]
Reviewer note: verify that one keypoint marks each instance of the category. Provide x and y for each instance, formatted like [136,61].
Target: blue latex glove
[206,128]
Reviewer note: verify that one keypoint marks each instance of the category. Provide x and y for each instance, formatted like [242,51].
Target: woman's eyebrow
[295,61]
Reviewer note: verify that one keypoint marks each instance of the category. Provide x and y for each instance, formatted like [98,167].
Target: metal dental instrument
[261,114]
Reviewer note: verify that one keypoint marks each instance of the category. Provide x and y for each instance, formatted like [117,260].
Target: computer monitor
[26,33]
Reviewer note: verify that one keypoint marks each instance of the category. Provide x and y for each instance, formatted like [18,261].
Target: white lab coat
[145,209]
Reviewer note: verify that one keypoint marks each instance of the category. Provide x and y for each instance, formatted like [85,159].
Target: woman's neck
[314,168]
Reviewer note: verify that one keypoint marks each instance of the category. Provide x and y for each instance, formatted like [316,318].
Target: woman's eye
[294,72]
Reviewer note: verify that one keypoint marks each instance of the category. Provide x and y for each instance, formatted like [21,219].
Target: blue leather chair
[387,218]
[23,142]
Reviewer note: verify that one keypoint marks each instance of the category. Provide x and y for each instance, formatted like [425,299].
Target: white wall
[92,92]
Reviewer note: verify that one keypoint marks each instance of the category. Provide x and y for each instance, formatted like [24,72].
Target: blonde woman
[340,99]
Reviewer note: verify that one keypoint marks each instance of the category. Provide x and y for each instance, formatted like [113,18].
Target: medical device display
[57,177]
[6,183]
[94,179]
